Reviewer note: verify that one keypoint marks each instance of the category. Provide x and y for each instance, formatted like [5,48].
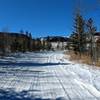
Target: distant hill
[56,39]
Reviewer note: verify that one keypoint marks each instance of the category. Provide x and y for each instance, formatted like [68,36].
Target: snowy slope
[47,75]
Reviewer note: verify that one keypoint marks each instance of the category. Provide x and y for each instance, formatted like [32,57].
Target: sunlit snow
[47,75]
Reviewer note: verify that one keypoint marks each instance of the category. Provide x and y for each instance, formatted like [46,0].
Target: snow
[47,75]
[92,89]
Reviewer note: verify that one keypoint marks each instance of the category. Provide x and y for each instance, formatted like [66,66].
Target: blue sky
[44,17]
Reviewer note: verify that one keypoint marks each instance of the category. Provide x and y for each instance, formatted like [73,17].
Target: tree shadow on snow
[10,94]
[32,64]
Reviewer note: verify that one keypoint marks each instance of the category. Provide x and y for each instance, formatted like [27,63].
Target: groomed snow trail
[44,76]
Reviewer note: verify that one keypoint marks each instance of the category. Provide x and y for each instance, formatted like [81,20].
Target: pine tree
[91,31]
[30,42]
[78,34]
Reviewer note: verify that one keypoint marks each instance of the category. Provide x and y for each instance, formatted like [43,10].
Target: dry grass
[98,63]
[83,59]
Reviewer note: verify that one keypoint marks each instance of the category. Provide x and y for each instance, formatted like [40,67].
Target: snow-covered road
[47,75]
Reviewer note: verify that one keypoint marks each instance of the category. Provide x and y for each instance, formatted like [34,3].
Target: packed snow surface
[47,76]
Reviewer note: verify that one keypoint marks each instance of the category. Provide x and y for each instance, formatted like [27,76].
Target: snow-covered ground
[47,76]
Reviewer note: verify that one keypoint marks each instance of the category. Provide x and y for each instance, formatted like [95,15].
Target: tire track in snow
[54,82]
[55,71]
[93,95]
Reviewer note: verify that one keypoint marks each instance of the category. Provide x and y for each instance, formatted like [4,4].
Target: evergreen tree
[30,42]
[91,31]
[78,37]
[48,43]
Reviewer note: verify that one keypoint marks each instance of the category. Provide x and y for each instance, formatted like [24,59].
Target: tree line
[83,38]
[23,42]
